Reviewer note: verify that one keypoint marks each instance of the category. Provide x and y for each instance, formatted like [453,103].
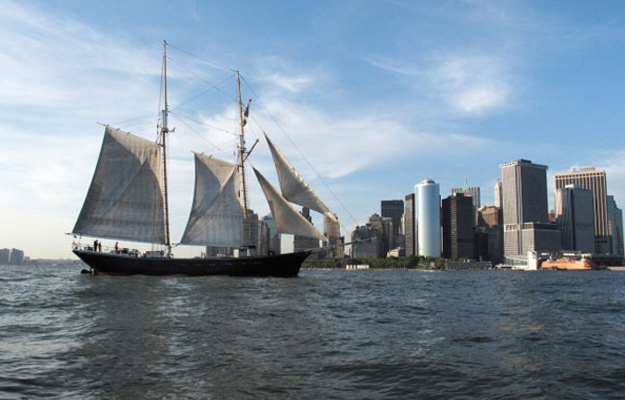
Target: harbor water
[323,335]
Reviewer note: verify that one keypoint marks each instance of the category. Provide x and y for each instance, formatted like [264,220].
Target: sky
[366,98]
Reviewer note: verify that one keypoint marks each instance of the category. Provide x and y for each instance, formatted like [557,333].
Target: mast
[163,136]
[241,164]
[241,148]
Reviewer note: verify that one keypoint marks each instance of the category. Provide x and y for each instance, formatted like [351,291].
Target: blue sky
[377,95]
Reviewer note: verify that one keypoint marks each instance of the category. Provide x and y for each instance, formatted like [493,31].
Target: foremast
[242,156]
[163,131]
[241,149]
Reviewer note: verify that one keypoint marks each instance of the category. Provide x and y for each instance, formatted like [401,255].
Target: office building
[394,209]
[17,257]
[457,213]
[595,181]
[498,194]
[574,218]
[366,242]
[333,233]
[302,243]
[489,216]
[524,195]
[5,256]
[274,236]
[540,237]
[474,193]
[428,219]
[409,226]
[615,224]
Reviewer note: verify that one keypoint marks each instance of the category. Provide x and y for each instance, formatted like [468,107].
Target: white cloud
[615,175]
[473,84]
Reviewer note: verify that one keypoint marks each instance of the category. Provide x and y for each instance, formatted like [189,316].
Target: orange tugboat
[567,263]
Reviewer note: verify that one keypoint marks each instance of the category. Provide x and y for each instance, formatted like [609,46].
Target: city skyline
[377,96]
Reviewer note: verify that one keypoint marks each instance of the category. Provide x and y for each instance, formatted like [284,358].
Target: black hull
[283,265]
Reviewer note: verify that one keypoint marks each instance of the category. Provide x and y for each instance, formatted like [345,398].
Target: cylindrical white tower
[428,218]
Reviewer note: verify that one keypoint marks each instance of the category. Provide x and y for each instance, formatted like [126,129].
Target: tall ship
[128,201]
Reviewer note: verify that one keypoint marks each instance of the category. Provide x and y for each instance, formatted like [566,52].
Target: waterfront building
[495,244]
[366,242]
[253,228]
[457,213]
[428,219]
[574,218]
[540,237]
[274,236]
[394,209]
[595,181]
[409,226]
[615,221]
[474,193]
[5,256]
[384,227]
[333,233]
[619,227]
[264,237]
[489,243]
[17,257]
[302,243]
[524,190]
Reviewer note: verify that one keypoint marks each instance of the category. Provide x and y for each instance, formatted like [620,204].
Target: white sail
[216,217]
[293,186]
[125,199]
[286,218]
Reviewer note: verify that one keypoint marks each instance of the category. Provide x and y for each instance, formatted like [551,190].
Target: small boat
[567,264]
[128,200]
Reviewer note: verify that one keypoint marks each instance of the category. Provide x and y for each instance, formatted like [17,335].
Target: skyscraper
[524,189]
[574,213]
[474,192]
[498,194]
[333,233]
[384,227]
[301,243]
[394,209]
[615,221]
[409,226]
[594,180]
[458,226]
[274,236]
[428,218]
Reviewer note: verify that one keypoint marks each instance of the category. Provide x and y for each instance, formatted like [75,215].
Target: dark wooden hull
[282,265]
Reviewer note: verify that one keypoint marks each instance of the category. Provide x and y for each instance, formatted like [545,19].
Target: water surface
[323,335]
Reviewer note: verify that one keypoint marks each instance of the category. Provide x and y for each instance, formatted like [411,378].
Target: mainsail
[217,215]
[286,218]
[125,199]
[293,186]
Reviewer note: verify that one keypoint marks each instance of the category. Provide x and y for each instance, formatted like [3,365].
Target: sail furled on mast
[125,199]
[286,218]
[216,217]
[293,186]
